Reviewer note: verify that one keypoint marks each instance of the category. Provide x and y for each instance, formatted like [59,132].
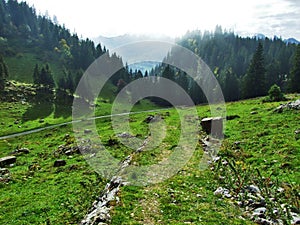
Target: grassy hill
[22,65]
[260,149]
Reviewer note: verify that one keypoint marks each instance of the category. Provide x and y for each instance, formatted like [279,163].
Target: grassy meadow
[39,193]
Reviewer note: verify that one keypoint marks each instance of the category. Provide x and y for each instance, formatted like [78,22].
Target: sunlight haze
[92,18]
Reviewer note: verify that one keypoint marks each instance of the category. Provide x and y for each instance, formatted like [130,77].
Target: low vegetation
[260,148]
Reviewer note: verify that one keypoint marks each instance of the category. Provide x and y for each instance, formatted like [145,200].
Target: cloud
[111,17]
[281,18]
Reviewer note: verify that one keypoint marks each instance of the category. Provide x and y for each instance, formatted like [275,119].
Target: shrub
[275,94]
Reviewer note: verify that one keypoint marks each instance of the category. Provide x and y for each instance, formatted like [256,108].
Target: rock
[4,171]
[20,151]
[149,119]
[41,121]
[72,151]
[295,218]
[222,192]
[289,106]
[253,189]
[213,126]
[125,135]
[87,131]
[263,221]
[8,160]
[59,163]
[259,211]
[4,175]
[254,113]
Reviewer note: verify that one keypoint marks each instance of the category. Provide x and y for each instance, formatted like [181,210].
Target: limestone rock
[5,161]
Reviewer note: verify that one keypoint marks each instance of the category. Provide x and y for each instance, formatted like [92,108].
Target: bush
[275,94]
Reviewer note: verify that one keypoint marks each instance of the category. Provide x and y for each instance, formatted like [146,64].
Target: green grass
[42,194]
[21,67]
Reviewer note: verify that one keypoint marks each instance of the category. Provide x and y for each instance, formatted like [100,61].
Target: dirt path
[77,121]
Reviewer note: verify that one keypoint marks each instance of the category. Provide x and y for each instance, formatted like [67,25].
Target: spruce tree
[3,73]
[254,83]
[36,75]
[295,73]
[43,77]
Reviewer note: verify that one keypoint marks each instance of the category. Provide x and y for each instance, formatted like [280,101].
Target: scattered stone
[4,171]
[295,218]
[280,190]
[20,151]
[220,192]
[259,211]
[72,151]
[16,122]
[263,221]
[99,214]
[59,163]
[125,135]
[149,119]
[254,113]
[213,126]
[87,131]
[4,175]
[8,160]
[253,189]
[288,106]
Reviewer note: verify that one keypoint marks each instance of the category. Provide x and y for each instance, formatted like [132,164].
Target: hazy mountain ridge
[290,40]
[113,43]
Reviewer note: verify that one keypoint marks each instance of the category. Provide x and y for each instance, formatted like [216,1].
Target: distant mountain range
[117,41]
[113,43]
[287,41]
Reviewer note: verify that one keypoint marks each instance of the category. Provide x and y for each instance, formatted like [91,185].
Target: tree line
[244,67]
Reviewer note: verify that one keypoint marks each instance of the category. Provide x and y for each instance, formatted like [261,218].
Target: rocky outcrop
[99,214]
[289,106]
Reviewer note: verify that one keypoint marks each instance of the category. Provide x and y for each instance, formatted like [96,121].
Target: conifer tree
[3,73]
[295,73]
[36,75]
[254,83]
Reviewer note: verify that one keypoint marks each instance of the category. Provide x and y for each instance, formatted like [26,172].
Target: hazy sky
[92,18]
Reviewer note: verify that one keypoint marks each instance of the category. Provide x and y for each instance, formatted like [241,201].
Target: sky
[92,18]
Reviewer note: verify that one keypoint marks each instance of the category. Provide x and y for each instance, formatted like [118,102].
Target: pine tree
[254,83]
[295,72]
[168,73]
[3,73]
[43,77]
[36,75]
[70,83]
[230,85]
